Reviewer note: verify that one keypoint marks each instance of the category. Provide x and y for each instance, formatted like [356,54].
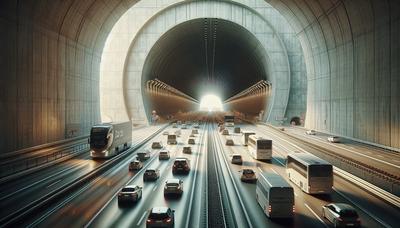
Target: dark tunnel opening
[203,56]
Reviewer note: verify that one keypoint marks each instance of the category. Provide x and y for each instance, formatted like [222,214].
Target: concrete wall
[352,59]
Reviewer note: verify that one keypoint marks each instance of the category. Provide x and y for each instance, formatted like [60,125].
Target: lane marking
[48,186]
[361,208]
[155,187]
[274,171]
[315,214]
[278,161]
[260,169]
[295,194]
[141,218]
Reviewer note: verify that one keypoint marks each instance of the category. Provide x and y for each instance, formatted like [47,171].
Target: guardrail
[14,219]
[26,159]
[382,179]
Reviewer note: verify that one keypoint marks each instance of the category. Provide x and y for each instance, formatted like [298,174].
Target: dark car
[341,215]
[151,174]
[135,165]
[181,165]
[161,217]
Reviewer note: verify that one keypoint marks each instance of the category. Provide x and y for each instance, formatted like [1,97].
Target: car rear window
[237,157]
[164,152]
[128,190]
[150,171]
[247,171]
[172,184]
[157,216]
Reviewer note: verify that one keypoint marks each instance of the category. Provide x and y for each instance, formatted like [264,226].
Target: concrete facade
[51,54]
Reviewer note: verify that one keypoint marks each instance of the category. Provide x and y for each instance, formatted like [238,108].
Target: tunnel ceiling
[206,55]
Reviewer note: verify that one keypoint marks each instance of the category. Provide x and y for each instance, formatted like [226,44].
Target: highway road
[213,193]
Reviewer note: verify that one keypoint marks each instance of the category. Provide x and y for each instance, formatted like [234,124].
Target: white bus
[109,139]
[260,148]
[245,137]
[312,174]
[275,196]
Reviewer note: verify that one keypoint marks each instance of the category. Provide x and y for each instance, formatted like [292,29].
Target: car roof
[130,186]
[181,159]
[343,206]
[159,210]
[173,181]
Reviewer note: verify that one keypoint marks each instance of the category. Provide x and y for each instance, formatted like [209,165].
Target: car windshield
[157,216]
[98,137]
[348,213]
[128,190]
[237,157]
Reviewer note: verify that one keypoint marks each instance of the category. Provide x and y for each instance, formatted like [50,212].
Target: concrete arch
[178,13]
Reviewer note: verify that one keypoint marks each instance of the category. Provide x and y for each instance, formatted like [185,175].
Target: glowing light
[210,103]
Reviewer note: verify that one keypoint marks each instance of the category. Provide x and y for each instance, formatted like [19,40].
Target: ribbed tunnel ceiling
[207,55]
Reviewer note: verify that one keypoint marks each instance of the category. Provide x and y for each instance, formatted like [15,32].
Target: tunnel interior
[207,55]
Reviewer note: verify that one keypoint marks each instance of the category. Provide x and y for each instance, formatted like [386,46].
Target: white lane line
[361,208]
[141,218]
[48,186]
[155,187]
[295,194]
[278,161]
[274,171]
[316,215]
[260,169]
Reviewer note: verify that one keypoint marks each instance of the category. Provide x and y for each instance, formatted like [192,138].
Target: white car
[132,193]
[334,139]
[173,186]
[341,215]
[237,159]
[165,133]
[157,145]
[311,132]
[164,155]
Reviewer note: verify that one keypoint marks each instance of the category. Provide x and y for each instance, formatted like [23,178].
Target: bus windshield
[281,194]
[320,171]
[98,137]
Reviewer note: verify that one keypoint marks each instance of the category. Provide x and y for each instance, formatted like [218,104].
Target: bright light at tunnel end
[211,103]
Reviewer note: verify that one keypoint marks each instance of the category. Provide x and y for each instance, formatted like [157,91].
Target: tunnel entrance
[295,121]
[202,56]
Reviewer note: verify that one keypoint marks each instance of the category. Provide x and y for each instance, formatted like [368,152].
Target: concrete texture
[51,54]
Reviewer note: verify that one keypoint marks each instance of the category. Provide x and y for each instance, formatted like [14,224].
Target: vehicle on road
[151,174]
[237,159]
[135,165]
[275,196]
[109,139]
[183,126]
[143,155]
[196,125]
[164,154]
[165,133]
[171,139]
[341,215]
[174,125]
[311,132]
[246,135]
[248,175]
[229,142]
[160,217]
[334,139]
[129,193]
[195,131]
[229,120]
[157,145]
[173,187]
[260,148]
[236,130]
[181,165]
[187,150]
[312,174]
[225,132]
[178,132]
[191,141]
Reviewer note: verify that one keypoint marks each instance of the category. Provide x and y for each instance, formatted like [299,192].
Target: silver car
[164,155]
[310,132]
[191,141]
[173,186]
[237,159]
[341,215]
[225,132]
[334,139]
[130,193]
[157,145]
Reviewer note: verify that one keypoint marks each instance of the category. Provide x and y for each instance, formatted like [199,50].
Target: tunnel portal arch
[277,59]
